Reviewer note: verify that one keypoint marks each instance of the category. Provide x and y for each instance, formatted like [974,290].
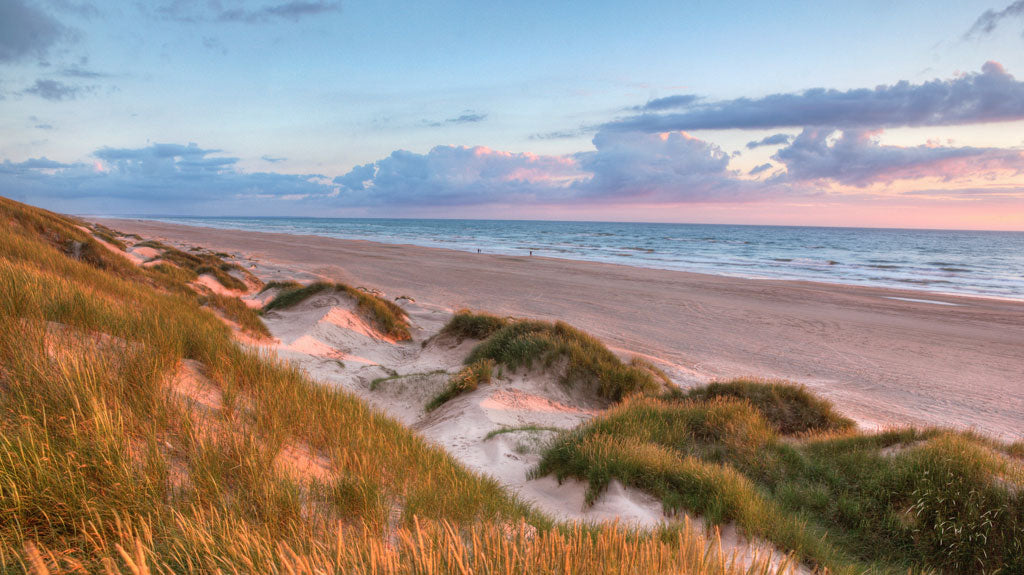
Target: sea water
[982,263]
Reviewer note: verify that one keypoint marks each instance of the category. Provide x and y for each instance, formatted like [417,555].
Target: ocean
[980,263]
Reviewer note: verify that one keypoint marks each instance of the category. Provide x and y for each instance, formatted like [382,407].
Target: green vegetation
[235,310]
[111,461]
[220,273]
[846,501]
[292,296]
[466,324]
[518,428]
[175,273]
[789,408]
[201,263]
[375,384]
[153,244]
[588,361]
[137,436]
[290,284]
[108,235]
[387,316]
[468,379]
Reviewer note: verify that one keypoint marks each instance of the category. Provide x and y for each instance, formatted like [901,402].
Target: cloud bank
[161,177]
[624,168]
[856,158]
[991,95]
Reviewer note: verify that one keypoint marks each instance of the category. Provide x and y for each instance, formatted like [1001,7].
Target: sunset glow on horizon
[660,112]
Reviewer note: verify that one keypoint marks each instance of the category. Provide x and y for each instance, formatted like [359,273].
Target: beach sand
[884,361]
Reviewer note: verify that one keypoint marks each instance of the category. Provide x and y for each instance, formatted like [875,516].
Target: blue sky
[537,110]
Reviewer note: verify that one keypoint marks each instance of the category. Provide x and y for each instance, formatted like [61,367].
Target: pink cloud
[856,158]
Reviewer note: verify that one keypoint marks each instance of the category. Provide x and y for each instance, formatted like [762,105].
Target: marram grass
[524,343]
[109,463]
[386,315]
[883,502]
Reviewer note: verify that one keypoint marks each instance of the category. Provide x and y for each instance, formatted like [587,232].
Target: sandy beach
[883,360]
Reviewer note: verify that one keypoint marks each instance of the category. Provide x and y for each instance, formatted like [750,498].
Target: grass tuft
[520,428]
[281,285]
[790,408]
[235,309]
[466,380]
[388,316]
[220,273]
[589,362]
[466,324]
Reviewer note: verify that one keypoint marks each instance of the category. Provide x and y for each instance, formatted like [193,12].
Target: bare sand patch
[210,283]
[146,253]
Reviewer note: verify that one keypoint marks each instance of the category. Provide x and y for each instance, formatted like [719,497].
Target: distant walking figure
[478,250]
[531,252]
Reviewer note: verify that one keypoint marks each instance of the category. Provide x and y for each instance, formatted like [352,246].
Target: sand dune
[498,429]
[883,361]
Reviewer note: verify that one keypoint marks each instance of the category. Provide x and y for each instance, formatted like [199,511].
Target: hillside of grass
[387,316]
[137,436]
[779,462]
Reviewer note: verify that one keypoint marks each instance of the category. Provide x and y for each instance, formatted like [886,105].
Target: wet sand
[883,361]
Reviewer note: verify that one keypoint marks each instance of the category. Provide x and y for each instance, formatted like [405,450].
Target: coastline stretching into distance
[958,262]
[885,356]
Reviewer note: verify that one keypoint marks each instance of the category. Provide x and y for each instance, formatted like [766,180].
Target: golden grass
[104,467]
[424,547]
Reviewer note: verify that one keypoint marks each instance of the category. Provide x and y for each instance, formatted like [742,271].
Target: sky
[871,113]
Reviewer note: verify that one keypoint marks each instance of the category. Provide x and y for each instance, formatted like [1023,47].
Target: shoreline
[883,361]
[779,268]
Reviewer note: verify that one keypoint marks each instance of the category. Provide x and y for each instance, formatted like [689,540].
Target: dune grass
[386,315]
[376,382]
[200,264]
[106,467]
[466,380]
[788,408]
[846,501]
[521,428]
[220,273]
[108,235]
[156,245]
[522,343]
[466,324]
[235,310]
[281,285]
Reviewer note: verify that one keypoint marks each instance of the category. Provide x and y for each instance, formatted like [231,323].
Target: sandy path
[882,360]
